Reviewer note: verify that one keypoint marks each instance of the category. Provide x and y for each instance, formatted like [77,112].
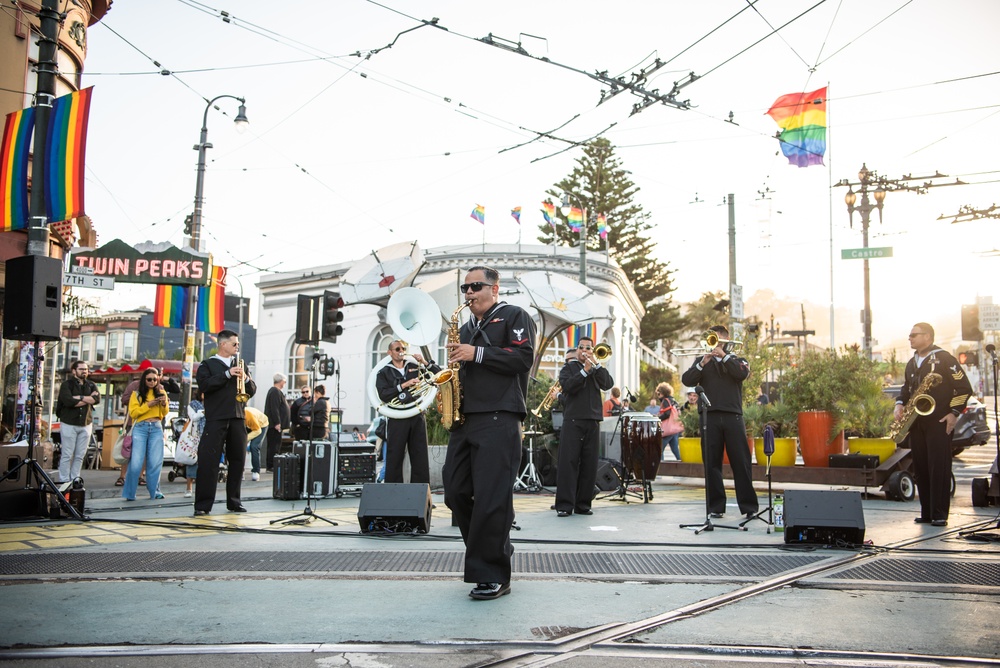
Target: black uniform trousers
[273,446]
[727,430]
[233,433]
[402,436]
[479,471]
[930,445]
[576,472]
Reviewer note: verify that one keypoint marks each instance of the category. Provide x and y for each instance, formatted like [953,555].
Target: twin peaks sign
[160,263]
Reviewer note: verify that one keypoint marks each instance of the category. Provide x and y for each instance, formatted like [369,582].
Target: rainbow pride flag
[479,214]
[14,150]
[516,214]
[602,225]
[171,304]
[575,219]
[575,332]
[802,119]
[549,213]
[65,154]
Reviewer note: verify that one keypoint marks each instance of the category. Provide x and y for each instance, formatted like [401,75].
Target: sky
[373,123]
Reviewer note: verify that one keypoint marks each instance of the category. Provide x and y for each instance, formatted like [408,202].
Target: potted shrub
[813,388]
[866,419]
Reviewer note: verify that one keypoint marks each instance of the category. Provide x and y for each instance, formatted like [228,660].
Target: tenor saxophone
[921,403]
[449,396]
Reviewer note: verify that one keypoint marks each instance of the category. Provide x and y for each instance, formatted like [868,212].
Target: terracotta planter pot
[784,452]
[815,443]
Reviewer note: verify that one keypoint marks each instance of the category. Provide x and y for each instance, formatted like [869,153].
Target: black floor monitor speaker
[824,517]
[607,475]
[395,508]
[32,298]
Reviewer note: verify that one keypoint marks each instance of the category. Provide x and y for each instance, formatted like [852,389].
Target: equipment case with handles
[287,477]
[319,470]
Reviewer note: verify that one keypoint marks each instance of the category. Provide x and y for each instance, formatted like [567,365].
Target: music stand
[307,514]
[29,462]
[707,525]
[768,451]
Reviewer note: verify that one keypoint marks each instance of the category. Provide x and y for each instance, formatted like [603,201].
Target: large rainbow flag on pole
[171,304]
[14,151]
[65,153]
[802,118]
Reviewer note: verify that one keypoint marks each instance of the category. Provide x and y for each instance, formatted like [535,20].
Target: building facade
[366,335]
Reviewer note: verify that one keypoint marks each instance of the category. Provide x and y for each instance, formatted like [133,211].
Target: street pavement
[145,583]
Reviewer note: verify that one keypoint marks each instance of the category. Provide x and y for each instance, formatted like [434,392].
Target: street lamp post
[192,301]
[866,178]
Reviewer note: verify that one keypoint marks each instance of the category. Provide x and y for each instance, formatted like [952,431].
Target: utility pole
[38,229]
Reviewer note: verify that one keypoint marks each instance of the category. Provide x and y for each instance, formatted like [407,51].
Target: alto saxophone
[920,403]
[449,396]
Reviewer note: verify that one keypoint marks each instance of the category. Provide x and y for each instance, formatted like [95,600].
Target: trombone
[710,341]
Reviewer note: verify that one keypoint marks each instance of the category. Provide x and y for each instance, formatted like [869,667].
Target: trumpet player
[399,380]
[225,427]
[582,380]
[721,374]
[930,435]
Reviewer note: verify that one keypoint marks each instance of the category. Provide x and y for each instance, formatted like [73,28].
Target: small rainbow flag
[802,119]
[171,304]
[479,214]
[65,154]
[516,214]
[575,332]
[575,219]
[14,150]
[549,213]
[602,225]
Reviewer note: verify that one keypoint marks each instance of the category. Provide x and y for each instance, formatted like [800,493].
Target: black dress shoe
[921,520]
[199,513]
[563,513]
[486,591]
[716,516]
[237,509]
[939,523]
[588,511]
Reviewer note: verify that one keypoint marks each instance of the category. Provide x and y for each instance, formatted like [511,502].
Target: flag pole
[829,179]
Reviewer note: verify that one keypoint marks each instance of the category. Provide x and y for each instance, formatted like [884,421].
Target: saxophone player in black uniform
[930,435]
[496,350]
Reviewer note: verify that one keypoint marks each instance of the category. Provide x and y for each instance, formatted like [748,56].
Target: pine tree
[600,185]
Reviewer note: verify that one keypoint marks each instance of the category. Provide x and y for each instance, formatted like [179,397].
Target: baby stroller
[180,470]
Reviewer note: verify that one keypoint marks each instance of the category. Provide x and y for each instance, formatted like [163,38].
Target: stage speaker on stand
[395,508]
[32,298]
[824,517]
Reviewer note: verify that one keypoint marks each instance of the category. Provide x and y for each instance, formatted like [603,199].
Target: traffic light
[306,330]
[327,367]
[189,224]
[969,358]
[970,323]
[331,316]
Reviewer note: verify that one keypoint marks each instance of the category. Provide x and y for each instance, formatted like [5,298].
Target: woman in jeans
[147,407]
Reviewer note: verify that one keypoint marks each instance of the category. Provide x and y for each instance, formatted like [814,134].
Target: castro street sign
[161,263]
[865,253]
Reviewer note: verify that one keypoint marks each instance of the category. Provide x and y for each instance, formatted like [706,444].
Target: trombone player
[582,380]
[721,373]
[220,378]
[399,380]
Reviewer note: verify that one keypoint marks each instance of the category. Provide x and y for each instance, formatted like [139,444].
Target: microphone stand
[707,525]
[768,450]
[994,481]
[307,513]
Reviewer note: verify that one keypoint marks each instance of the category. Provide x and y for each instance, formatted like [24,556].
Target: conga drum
[641,444]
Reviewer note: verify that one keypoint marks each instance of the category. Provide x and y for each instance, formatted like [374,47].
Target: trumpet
[550,398]
[602,351]
[241,383]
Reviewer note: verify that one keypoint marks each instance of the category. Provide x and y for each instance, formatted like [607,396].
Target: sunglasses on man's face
[475,287]
[399,350]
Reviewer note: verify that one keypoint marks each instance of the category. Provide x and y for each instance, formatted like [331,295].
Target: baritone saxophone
[449,396]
